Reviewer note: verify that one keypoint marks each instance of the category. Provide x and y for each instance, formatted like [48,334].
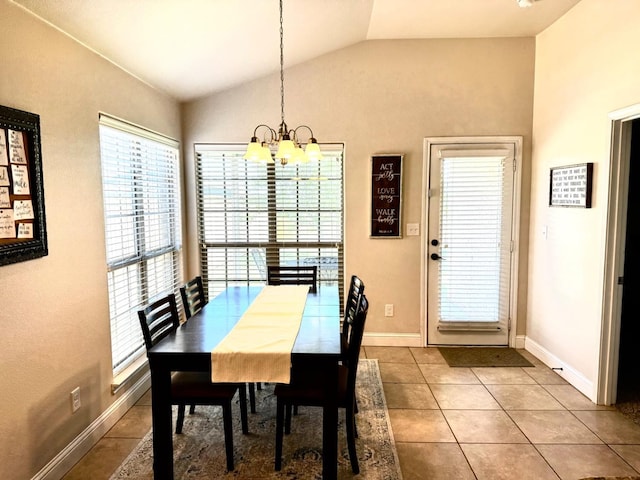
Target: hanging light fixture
[525,3]
[284,141]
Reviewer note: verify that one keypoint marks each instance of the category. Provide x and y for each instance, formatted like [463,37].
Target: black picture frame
[386,196]
[571,185]
[21,188]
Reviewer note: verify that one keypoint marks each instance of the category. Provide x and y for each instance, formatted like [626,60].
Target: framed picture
[386,196]
[571,186]
[23,232]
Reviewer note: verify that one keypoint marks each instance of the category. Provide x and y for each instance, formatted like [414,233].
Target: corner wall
[587,65]
[54,310]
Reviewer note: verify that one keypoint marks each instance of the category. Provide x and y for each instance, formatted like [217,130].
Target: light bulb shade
[525,3]
[299,156]
[253,150]
[265,153]
[285,149]
[312,150]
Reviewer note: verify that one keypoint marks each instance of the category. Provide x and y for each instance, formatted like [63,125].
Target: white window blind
[140,187]
[251,215]
[475,234]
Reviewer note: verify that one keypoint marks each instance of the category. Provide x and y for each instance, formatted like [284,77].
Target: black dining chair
[160,319]
[193,297]
[293,275]
[311,390]
[356,289]
[193,300]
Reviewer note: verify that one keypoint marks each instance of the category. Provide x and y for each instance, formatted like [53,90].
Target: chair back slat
[293,275]
[193,297]
[355,341]
[356,290]
[158,320]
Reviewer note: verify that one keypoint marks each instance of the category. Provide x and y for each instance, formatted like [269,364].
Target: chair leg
[350,420]
[252,397]
[259,385]
[287,420]
[180,419]
[228,434]
[192,409]
[242,393]
[279,435]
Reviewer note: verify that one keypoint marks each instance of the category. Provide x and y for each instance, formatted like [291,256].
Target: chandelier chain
[281,66]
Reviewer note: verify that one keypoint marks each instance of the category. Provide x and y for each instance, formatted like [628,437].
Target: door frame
[428,142]
[616,231]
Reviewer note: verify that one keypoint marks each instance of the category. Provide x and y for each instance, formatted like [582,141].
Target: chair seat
[311,391]
[198,385]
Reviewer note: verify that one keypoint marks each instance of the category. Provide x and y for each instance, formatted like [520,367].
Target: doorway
[628,389]
[471,203]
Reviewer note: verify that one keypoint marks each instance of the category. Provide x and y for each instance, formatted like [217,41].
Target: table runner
[258,348]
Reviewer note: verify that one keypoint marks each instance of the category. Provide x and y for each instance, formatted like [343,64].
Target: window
[140,187]
[251,215]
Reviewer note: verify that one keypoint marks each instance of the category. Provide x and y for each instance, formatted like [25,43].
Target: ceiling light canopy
[284,142]
[525,3]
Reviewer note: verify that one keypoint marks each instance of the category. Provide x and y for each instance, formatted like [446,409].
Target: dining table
[189,348]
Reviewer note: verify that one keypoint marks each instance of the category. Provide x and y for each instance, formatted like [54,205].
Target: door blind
[475,235]
[140,187]
[251,215]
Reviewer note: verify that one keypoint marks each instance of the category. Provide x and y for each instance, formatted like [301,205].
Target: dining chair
[293,275]
[193,297]
[312,390]
[193,300]
[356,289]
[160,319]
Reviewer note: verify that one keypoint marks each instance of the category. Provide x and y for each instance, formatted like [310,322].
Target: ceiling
[192,48]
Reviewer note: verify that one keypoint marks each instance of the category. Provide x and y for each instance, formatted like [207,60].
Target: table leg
[330,431]
[162,424]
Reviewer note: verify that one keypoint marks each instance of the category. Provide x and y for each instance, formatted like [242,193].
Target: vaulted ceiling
[192,48]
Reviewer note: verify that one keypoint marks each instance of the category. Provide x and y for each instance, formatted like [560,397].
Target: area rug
[199,450]
[483,357]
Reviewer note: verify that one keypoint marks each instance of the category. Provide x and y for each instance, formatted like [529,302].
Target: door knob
[435,242]
[435,256]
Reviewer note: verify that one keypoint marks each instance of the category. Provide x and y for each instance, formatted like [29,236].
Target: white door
[470,243]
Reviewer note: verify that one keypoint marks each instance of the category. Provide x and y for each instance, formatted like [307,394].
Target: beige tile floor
[461,423]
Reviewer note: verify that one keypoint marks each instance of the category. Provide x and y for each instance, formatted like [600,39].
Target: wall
[384,97]
[587,65]
[54,310]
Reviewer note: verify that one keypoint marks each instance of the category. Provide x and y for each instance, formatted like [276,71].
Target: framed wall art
[571,186]
[23,232]
[386,196]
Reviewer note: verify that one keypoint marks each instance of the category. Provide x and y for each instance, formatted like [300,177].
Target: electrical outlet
[75,399]
[388,310]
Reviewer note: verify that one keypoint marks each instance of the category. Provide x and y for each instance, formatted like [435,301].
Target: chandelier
[285,142]
[525,3]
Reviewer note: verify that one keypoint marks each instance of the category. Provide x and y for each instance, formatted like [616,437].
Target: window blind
[140,188]
[251,215]
[475,234]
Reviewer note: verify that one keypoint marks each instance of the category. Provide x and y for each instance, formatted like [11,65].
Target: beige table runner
[258,348]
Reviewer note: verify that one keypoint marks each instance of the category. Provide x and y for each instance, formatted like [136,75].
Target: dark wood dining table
[189,349]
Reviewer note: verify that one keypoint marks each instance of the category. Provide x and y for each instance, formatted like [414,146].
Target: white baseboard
[72,453]
[520,341]
[566,371]
[392,340]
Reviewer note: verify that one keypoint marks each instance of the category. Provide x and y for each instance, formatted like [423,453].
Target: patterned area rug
[199,450]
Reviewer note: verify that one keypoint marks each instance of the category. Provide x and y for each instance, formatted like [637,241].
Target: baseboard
[392,340]
[566,371]
[72,453]
[520,341]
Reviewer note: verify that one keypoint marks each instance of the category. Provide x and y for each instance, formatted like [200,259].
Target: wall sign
[571,186]
[386,196]
[23,232]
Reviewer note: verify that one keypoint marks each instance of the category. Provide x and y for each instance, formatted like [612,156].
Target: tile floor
[461,423]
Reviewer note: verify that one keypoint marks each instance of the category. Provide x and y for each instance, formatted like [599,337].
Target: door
[470,243]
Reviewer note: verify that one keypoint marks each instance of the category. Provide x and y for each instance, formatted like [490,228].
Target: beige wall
[587,65]
[384,97]
[54,310]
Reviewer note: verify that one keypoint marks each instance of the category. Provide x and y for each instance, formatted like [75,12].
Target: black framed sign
[571,185]
[23,232]
[386,196]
